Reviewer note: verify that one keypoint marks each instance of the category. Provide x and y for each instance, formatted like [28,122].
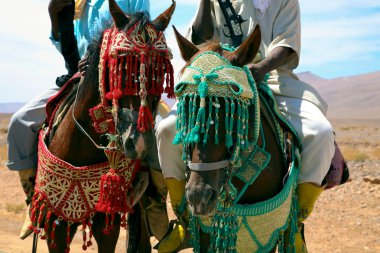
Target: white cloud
[333,32]
[339,31]
[29,63]
[329,7]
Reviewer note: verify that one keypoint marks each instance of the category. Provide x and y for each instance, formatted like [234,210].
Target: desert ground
[346,218]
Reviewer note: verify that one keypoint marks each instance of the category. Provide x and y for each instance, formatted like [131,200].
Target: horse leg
[204,242]
[60,243]
[144,245]
[106,242]
[134,230]
[138,236]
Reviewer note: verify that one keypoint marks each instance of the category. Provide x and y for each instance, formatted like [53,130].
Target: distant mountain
[309,77]
[10,107]
[351,97]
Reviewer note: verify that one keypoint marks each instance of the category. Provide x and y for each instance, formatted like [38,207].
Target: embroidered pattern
[71,192]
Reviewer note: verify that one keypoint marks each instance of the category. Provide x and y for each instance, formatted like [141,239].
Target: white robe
[280,26]
[299,103]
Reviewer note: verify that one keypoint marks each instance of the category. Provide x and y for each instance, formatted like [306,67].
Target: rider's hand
[55,6]
[83,65]
[257,72]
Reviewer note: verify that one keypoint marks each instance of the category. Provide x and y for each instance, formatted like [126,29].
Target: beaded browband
[212,77]
[126,58]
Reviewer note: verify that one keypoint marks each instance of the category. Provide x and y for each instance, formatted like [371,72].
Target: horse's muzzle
[201,199]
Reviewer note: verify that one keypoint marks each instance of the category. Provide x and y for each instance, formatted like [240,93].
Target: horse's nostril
[208,194]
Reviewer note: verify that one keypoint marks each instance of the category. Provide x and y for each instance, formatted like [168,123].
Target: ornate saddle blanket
[71,192]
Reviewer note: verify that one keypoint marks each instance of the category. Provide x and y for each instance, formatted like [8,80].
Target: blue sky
[339,38]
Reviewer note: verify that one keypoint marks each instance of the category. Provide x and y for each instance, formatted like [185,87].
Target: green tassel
[178,138]
[201,118]
[216,136]
[227,124]
[194,135]
[194,233]
[209,119]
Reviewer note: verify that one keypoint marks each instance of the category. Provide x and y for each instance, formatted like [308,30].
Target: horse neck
[270,181]
[69,143]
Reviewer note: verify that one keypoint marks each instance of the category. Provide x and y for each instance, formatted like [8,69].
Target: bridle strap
[82,129]
[208,166]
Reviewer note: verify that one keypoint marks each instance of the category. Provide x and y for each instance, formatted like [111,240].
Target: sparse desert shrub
[15,208]
[353,154]
[3,130]
[376,153]
[3,153]
[360,157]
[345,128]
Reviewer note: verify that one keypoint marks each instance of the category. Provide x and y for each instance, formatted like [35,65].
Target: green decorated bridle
[212,77]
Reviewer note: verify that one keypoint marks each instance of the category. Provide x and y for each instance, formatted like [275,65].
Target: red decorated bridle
[125,60]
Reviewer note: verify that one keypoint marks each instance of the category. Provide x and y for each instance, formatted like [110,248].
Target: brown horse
[103,120]
[212,125]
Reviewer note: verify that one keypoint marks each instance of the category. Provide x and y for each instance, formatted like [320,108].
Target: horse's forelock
[136,17]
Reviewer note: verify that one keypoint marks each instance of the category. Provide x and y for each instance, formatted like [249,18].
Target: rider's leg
[22,144]
[156,211]
[154,202]
[27,179]
[173,169]
[318,148]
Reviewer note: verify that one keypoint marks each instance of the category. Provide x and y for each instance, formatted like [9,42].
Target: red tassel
[145,120]
[48,216]
[84,235]
[35,203]
[169,89]
[68,239]
[89,242]
[123,222]
[112,193]
[129,73]
[120,75]
[135,74]
[53,244]
[40,217]
[118,93]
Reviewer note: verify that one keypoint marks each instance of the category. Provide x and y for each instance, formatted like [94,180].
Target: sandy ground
[346,218]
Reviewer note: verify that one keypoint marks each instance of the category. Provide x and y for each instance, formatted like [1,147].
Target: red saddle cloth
[54,101]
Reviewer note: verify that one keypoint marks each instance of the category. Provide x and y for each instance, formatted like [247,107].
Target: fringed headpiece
[126,59]
[212,77]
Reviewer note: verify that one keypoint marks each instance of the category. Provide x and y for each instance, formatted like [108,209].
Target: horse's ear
[186,48]
[117,14]
[163,20]
[247,50]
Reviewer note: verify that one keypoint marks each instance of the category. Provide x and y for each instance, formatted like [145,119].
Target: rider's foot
[174,238]
[26,229]
[299,240]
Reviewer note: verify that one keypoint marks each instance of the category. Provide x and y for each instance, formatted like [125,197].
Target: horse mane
[144,19]
[91,80]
